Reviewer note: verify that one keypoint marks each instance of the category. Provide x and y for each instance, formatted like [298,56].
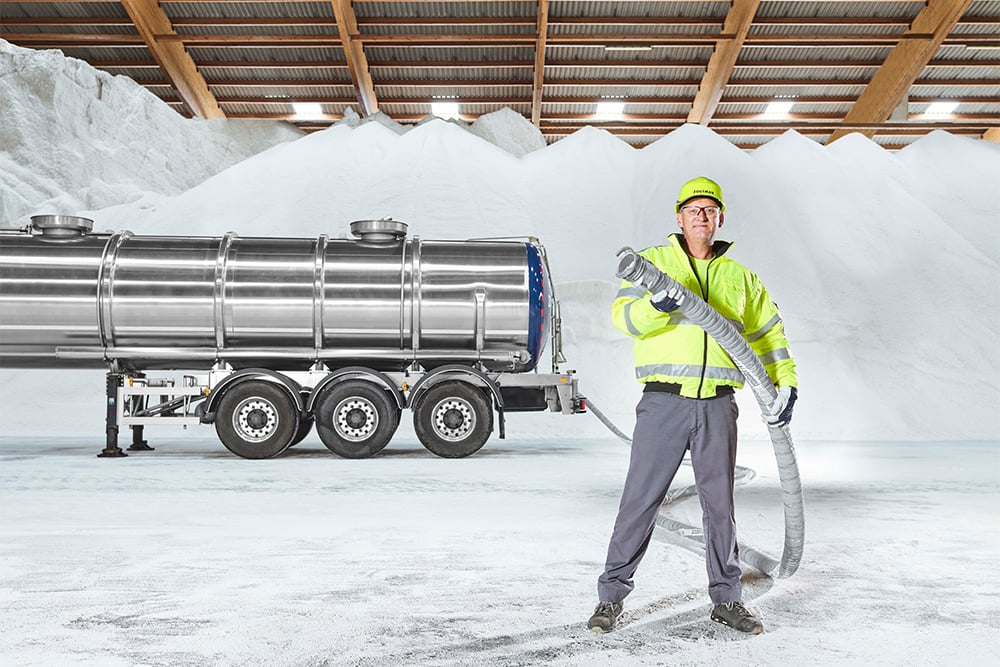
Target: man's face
[699,218]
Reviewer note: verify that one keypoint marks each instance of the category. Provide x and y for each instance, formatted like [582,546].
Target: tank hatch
[384,229]
[62,226]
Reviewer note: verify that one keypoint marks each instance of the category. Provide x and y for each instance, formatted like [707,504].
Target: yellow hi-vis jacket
[669,348]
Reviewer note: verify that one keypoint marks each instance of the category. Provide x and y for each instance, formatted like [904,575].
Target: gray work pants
[666,426]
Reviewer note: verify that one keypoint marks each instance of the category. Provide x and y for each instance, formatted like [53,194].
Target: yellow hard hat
[700,187]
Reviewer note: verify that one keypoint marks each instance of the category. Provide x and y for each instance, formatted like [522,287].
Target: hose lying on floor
[641,272]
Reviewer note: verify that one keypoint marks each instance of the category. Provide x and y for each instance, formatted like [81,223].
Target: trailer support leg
[138,444]
[111,448]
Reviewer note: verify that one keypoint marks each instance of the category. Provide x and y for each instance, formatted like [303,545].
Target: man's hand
[665,301]
[780,412]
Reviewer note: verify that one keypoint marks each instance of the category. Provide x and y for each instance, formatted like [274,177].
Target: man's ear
[679,225]
[722,218]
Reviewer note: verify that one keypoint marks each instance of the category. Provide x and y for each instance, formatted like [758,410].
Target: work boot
[605,616]
[738,617]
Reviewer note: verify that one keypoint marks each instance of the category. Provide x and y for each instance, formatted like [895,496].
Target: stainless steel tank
[72,298]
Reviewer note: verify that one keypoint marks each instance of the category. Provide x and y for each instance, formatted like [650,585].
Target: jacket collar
[676,240]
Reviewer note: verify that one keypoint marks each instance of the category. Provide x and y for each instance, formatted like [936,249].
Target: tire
[256,419]
[453,419]
[305,425]
[356,419]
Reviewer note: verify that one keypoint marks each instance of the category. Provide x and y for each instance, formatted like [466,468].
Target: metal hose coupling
[642,273]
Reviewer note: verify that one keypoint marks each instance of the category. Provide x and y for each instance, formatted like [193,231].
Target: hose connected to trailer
[642,273]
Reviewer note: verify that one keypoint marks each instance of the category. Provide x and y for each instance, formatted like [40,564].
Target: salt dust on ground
[187,556]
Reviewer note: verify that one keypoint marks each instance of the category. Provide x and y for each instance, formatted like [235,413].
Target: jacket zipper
[704,293]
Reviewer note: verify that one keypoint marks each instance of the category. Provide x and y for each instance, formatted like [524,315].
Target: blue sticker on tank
[539,302]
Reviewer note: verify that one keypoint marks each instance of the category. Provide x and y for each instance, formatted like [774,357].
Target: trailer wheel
[453,419]
[356,419]
[305,425]
[256,420]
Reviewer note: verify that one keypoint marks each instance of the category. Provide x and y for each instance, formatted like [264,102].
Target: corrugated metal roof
[390,54]
[817,73]
[464,30]
[619,91]
[278,55]
[694,54]
[257,10]
[906,10]
[844,30]
[283,107]
[820,108]
[61,9]
[100,54]
[323,74]
[645,74]
[453,92]
[444,9]
[329,31]
[715,9]
[734,90]
[144,76]
[661,31]
[293,76]
[436,74]
[630,108]
[478,109]
[984,73]
[289,91]
[6,27]
[975,29]
[792,54]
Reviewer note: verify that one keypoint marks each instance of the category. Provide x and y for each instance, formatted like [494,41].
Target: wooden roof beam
[485,20]
[150,21]
[992,134]
[526,64]
[574,83]
[357,62]
[720,65]
[536,86]
[525,40]
[904,64]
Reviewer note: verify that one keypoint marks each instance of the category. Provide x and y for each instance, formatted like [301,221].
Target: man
[688,404]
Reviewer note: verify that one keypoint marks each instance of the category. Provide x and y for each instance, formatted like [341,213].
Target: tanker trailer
[273,335]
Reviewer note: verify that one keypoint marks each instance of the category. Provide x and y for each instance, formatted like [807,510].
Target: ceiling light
[443,109]
[611,108]
[940,108]
[983,47]
[307,109]
[628,48]
[778,108]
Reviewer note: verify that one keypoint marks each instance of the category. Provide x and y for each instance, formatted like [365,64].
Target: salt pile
[73,137]
[884,264]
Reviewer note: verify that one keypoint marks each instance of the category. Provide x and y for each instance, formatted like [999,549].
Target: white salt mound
[73,137]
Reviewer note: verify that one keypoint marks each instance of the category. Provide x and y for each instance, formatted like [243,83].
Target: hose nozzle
[639,271]
[629,266]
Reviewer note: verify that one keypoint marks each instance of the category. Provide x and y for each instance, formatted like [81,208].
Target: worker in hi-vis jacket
[687,401]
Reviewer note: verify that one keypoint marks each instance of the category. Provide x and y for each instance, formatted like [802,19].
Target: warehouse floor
[190,556]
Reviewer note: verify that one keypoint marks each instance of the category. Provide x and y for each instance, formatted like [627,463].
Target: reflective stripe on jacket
[670,348]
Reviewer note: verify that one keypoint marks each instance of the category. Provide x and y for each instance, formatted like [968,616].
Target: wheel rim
[255,419]
[355,418]
[453,419]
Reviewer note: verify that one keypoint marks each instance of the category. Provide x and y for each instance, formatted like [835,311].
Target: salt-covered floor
[190,556]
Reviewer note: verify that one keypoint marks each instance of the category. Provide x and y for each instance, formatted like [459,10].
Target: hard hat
[700,187]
